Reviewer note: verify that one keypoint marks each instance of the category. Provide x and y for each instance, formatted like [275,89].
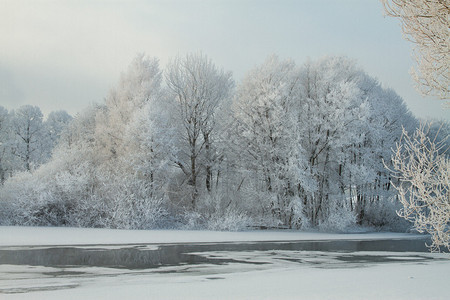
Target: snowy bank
[21,236]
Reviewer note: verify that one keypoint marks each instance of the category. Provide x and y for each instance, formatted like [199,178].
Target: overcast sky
[68,54]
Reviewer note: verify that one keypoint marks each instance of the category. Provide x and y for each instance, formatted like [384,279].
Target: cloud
[10,93]
[69,53]
[93,38]
[81,44]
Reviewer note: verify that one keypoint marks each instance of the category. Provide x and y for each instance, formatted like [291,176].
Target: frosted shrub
[6,211]
[24,198]
[231,220]
[299,219]
[36,204]
[128,203]
[257,206]
[47,197]
[67,189]
[78,196]
[340,219]
[383,214]
[216,212]
[137,212]
[193,220]
[8,205]
[91,212]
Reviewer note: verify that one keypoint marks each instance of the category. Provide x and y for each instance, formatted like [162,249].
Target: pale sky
[67,54]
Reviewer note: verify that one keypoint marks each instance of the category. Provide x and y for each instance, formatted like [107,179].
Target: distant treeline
[292,146]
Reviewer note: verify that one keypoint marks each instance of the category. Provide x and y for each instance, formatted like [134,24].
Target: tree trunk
[193,180]
[209,174]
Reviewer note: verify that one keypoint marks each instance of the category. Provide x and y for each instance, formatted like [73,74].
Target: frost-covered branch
[422,167]
[426,23]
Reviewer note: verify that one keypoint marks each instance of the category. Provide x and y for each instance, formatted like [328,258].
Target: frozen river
[153,256]
[166,270]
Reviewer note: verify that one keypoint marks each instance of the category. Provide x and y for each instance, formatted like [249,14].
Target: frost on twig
[426,24]
[421,166]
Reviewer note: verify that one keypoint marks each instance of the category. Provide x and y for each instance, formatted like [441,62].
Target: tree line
[26,139]
[293,146]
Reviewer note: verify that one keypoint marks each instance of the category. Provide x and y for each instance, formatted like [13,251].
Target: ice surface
[19,236]
[284,274]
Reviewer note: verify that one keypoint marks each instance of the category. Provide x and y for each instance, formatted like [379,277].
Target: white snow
[385,281]
[28,236]
[281,279]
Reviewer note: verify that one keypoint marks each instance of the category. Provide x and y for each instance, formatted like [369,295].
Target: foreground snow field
[275,274]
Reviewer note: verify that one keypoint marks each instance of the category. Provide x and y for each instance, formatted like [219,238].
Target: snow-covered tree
[27,134]
[82,128]
[139,85]
[199,88]
[25,140]
[372,190]
[293,147]
[333,110]
[54,125]
[151,144]
[426,23]
[123,155]
[4,144]
[92,179]
[310,141]
[438,131]
[422,167]
[267,136]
